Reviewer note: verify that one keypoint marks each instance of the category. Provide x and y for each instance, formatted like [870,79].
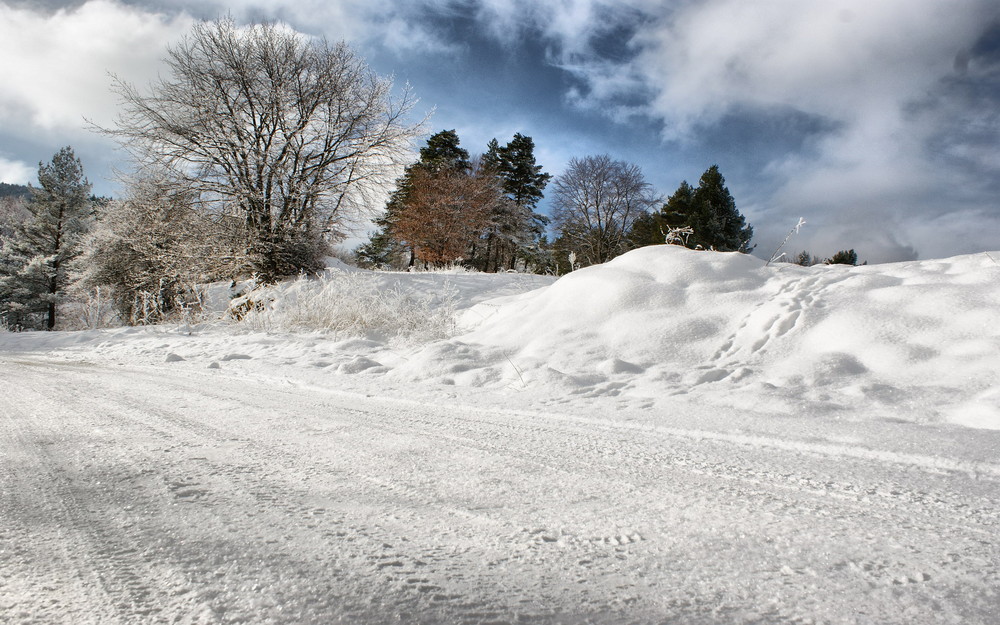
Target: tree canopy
[291,134]
[595,203]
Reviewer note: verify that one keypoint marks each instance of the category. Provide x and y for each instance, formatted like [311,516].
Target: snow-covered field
[672,437]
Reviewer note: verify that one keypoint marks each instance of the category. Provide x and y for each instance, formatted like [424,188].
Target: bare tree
[288,133]
[594,204]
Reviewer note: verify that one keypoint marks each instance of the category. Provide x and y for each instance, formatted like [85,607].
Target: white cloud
[844,60]
[857,67]
[15,172]
[56,65]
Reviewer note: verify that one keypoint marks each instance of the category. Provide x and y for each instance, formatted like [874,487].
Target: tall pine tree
[34,270]
[516,230]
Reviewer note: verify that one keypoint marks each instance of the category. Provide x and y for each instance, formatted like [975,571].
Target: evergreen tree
[492,160]
[523,180]
[381,251]
[679,209]
[14,190]
[441,154]
[34,270]
[843,257]
[805,259]
[710,211]
[12,214]
[515,229]
[647,229]
[442,151]
[652,228]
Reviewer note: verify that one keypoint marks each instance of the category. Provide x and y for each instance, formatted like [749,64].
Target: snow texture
[674,436]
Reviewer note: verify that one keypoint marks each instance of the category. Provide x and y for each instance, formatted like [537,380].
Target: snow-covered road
[162,495]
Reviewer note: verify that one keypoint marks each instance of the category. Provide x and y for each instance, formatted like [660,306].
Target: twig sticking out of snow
[778,253]
[516,370]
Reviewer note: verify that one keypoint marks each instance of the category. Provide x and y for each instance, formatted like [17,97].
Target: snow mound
[918,341]
[661,328]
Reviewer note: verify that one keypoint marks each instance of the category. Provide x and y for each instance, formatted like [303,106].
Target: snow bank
[657,328]
[918,341]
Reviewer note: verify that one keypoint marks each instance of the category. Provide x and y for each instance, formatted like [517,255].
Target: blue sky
[878,122]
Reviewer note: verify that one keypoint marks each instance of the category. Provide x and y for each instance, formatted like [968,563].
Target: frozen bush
[346,304]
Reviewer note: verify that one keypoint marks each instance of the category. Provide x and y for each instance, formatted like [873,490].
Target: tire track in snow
[115,583]
[473,514]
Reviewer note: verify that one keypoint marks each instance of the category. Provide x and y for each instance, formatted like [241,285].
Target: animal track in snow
[767,321]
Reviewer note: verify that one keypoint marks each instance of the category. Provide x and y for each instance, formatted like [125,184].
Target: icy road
[158,495]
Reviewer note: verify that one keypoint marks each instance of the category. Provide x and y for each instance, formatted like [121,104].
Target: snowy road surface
[157,495]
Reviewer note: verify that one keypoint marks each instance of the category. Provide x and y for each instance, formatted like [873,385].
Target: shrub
[346,304]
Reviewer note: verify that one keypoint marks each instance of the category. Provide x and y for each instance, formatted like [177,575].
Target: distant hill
[15,190]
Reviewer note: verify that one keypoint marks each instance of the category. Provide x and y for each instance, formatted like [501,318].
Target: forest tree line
[260,149]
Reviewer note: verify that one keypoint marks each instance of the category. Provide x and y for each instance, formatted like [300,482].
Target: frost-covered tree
[291,134]
[36,259]
[152,248]
[594,205]
[12,214]
[515,229]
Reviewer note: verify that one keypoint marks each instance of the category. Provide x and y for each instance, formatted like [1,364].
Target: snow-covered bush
[89,309]
[346,304]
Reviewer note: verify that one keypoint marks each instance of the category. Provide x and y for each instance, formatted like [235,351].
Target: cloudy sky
[876,121]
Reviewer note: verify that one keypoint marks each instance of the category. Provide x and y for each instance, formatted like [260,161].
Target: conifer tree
[710,211]
[515,229]
[647,229]
[443,151]
[34,269]
[805,259]
[843,257]
[716,222]
[441,154]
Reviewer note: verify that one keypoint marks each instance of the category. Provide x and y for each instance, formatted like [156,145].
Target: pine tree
[843,257]
[515,229]
[710,211]
[442,151]
[805,259]
[34,270]
[381,251]
[647,229]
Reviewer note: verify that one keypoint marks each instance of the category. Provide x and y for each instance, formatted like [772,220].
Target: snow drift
[918,341]
[656,328]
